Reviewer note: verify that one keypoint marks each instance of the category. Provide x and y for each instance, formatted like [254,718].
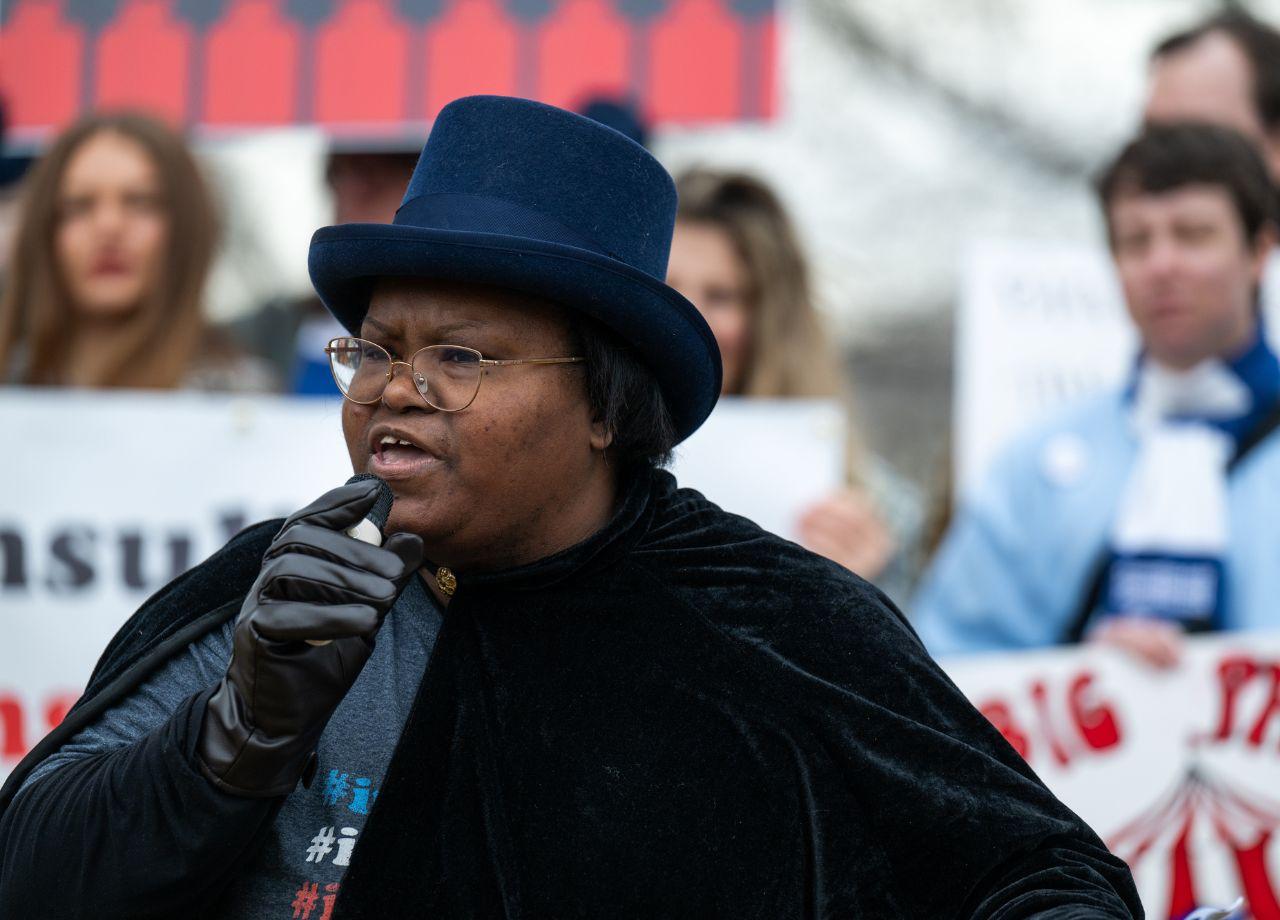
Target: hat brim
[668,332]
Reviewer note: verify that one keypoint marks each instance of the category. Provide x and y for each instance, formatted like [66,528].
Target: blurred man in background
[1149,512]
[1225,70]
[292,334]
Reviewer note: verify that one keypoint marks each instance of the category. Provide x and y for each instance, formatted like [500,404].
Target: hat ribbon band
[483,214]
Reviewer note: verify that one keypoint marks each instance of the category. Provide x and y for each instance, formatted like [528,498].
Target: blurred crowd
[1131,520]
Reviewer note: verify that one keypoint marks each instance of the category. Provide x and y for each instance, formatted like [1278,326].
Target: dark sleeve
[1061,879]
[133,832]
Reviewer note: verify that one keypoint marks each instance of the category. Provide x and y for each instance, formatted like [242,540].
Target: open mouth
[394,457]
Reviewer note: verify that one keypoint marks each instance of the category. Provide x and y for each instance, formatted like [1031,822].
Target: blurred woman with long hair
[736,256]
[116,238]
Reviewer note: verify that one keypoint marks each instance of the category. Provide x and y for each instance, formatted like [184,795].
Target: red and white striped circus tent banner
[1240,823]
[1177,770]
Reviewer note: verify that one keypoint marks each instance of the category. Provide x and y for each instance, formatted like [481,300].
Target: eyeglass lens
[447,376]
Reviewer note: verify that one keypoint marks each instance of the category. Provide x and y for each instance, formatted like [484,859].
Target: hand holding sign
[1155,642]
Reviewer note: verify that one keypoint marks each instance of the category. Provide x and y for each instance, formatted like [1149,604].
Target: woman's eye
[724,297]
[75,207]
[459,356]
[143,202]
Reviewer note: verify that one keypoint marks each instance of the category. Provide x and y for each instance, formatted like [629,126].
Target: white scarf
[1169,536]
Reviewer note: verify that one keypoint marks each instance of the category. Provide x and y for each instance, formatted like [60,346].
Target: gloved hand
[263,722]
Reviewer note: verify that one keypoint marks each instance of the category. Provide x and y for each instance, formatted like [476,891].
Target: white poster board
[1039,325]
[1178,771]
[109,496]
[770,459]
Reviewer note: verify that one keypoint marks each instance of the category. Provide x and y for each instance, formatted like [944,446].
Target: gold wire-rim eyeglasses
[343,344]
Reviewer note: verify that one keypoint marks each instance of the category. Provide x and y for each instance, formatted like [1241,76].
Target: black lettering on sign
[179,554]
[13,563]
[131,560]
[232,522]
[79,556]
[71,550]
[133,546]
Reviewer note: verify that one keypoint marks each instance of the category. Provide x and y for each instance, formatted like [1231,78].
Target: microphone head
[382,507]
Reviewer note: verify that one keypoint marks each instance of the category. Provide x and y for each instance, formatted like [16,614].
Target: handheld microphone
[369,528]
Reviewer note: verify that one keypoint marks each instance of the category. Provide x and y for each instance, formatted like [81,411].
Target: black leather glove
[263,722]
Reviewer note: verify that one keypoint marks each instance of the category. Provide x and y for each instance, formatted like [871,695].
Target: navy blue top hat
[532,198]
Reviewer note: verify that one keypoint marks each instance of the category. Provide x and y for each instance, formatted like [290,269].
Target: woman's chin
[428,523]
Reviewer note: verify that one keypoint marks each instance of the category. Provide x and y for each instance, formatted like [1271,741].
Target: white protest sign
[109,496]
[1178,771]
[1038,326]
[769,459]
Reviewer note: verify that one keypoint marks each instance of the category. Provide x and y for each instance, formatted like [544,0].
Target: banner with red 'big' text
[1178,771]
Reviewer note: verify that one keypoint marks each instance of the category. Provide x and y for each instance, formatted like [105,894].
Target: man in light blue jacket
[1154,511]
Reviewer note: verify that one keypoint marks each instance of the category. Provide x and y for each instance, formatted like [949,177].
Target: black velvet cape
[683,716]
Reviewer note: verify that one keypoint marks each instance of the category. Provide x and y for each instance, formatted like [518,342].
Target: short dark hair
[1166,157]
[392,162]
[1260,44]
[624,394]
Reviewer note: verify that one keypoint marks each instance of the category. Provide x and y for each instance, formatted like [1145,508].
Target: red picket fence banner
[379,67]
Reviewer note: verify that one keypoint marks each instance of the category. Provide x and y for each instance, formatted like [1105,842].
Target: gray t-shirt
[297,873]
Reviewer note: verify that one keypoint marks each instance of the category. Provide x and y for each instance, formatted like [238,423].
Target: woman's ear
[601,435]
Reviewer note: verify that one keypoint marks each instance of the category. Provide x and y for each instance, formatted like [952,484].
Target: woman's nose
[405,389]
[108,218]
